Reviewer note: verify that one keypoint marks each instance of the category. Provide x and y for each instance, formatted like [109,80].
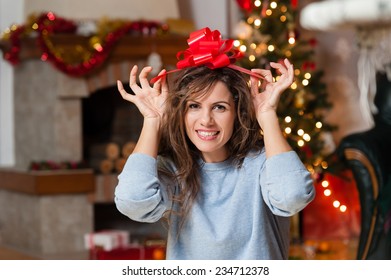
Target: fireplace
[57,118]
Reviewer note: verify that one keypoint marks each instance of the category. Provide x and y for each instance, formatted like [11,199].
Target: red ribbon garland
[208,49]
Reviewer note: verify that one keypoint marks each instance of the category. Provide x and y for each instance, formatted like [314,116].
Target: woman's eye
[193,106]
[219,107]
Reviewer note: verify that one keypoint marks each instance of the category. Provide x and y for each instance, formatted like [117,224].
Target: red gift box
[130,252]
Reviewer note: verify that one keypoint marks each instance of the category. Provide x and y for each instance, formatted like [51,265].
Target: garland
[83,60]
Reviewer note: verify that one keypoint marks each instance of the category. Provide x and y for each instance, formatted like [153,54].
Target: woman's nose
[206,118]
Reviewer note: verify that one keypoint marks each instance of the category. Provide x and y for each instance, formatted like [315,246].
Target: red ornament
[245,5]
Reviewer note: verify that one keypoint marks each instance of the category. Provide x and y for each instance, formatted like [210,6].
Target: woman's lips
[207,134]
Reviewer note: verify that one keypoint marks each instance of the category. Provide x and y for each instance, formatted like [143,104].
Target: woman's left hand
[267,99]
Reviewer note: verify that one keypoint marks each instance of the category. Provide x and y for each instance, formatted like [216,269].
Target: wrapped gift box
[106,240]
[130,252]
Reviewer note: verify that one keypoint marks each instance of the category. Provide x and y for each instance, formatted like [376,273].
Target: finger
[158,84]
[164,85]
[267,74]
[123,92]
[133,80]
[144,77]
[254,85]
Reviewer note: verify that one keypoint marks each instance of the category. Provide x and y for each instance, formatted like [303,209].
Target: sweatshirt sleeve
[139,193]
[287,186]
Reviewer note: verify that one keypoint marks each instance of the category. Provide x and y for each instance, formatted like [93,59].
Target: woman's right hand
[151,101]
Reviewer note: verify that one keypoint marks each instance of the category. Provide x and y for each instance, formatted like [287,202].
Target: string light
[343,208]
[300,132]
[252,58]
[282,18]
[318,125]
[288,119]
[300,143]
[257,3]
[243,48]
[270,48]
[305,82]
[336,203]
[307,137]
[236,43]
[327,192]
[294,86]
[269,12]
[307,76]
[273,5]
[257,22]
[288,130]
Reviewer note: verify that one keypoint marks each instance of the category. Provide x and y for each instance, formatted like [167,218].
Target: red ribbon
[207,48]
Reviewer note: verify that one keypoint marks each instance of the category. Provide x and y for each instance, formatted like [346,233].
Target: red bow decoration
[207,48]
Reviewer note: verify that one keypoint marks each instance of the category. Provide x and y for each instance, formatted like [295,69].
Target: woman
[202,162]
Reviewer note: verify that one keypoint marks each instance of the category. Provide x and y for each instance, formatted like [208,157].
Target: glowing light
[288,53]
[236,43]
[251,58]
[297,72]
[300,132]
[98,47]
[270,48]
[243,48]
[253,46]
[324,165]
[288,130]
[269,12]
[336,203]
[288,119]
[283,18]
[250,20]
[327,192]
[51,16]
[305,82]
[307,137]
[257,22]
[257,3]
[307,76]
[284,9]
[273,5]
[325,183]
[44,56]
[294,85]
[343,208]
[318,125]
[291,40]
[300,143]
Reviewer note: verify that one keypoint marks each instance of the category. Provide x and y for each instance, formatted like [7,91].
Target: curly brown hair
[181,151]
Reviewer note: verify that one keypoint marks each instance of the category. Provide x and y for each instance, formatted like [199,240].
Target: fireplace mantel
[129,47]
[51,182]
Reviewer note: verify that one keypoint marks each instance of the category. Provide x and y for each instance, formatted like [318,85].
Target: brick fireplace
[47,213]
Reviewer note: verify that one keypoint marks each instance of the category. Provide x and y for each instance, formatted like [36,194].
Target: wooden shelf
[48,182]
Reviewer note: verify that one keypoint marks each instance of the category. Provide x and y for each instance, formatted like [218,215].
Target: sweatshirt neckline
[215,165]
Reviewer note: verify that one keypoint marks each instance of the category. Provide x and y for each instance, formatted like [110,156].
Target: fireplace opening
[107,118]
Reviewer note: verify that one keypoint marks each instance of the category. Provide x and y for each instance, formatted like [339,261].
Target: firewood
[119,164]
[127,149]
[105,150]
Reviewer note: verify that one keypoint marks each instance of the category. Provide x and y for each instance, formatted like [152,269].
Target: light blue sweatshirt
[240,213]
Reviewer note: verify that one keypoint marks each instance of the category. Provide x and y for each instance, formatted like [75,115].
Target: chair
[368,155]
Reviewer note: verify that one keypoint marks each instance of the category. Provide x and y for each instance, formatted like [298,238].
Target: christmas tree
[269,32]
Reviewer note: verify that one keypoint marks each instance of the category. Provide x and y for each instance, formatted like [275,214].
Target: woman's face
[209,122]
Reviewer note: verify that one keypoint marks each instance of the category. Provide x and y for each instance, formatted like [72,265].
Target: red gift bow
[207,48]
